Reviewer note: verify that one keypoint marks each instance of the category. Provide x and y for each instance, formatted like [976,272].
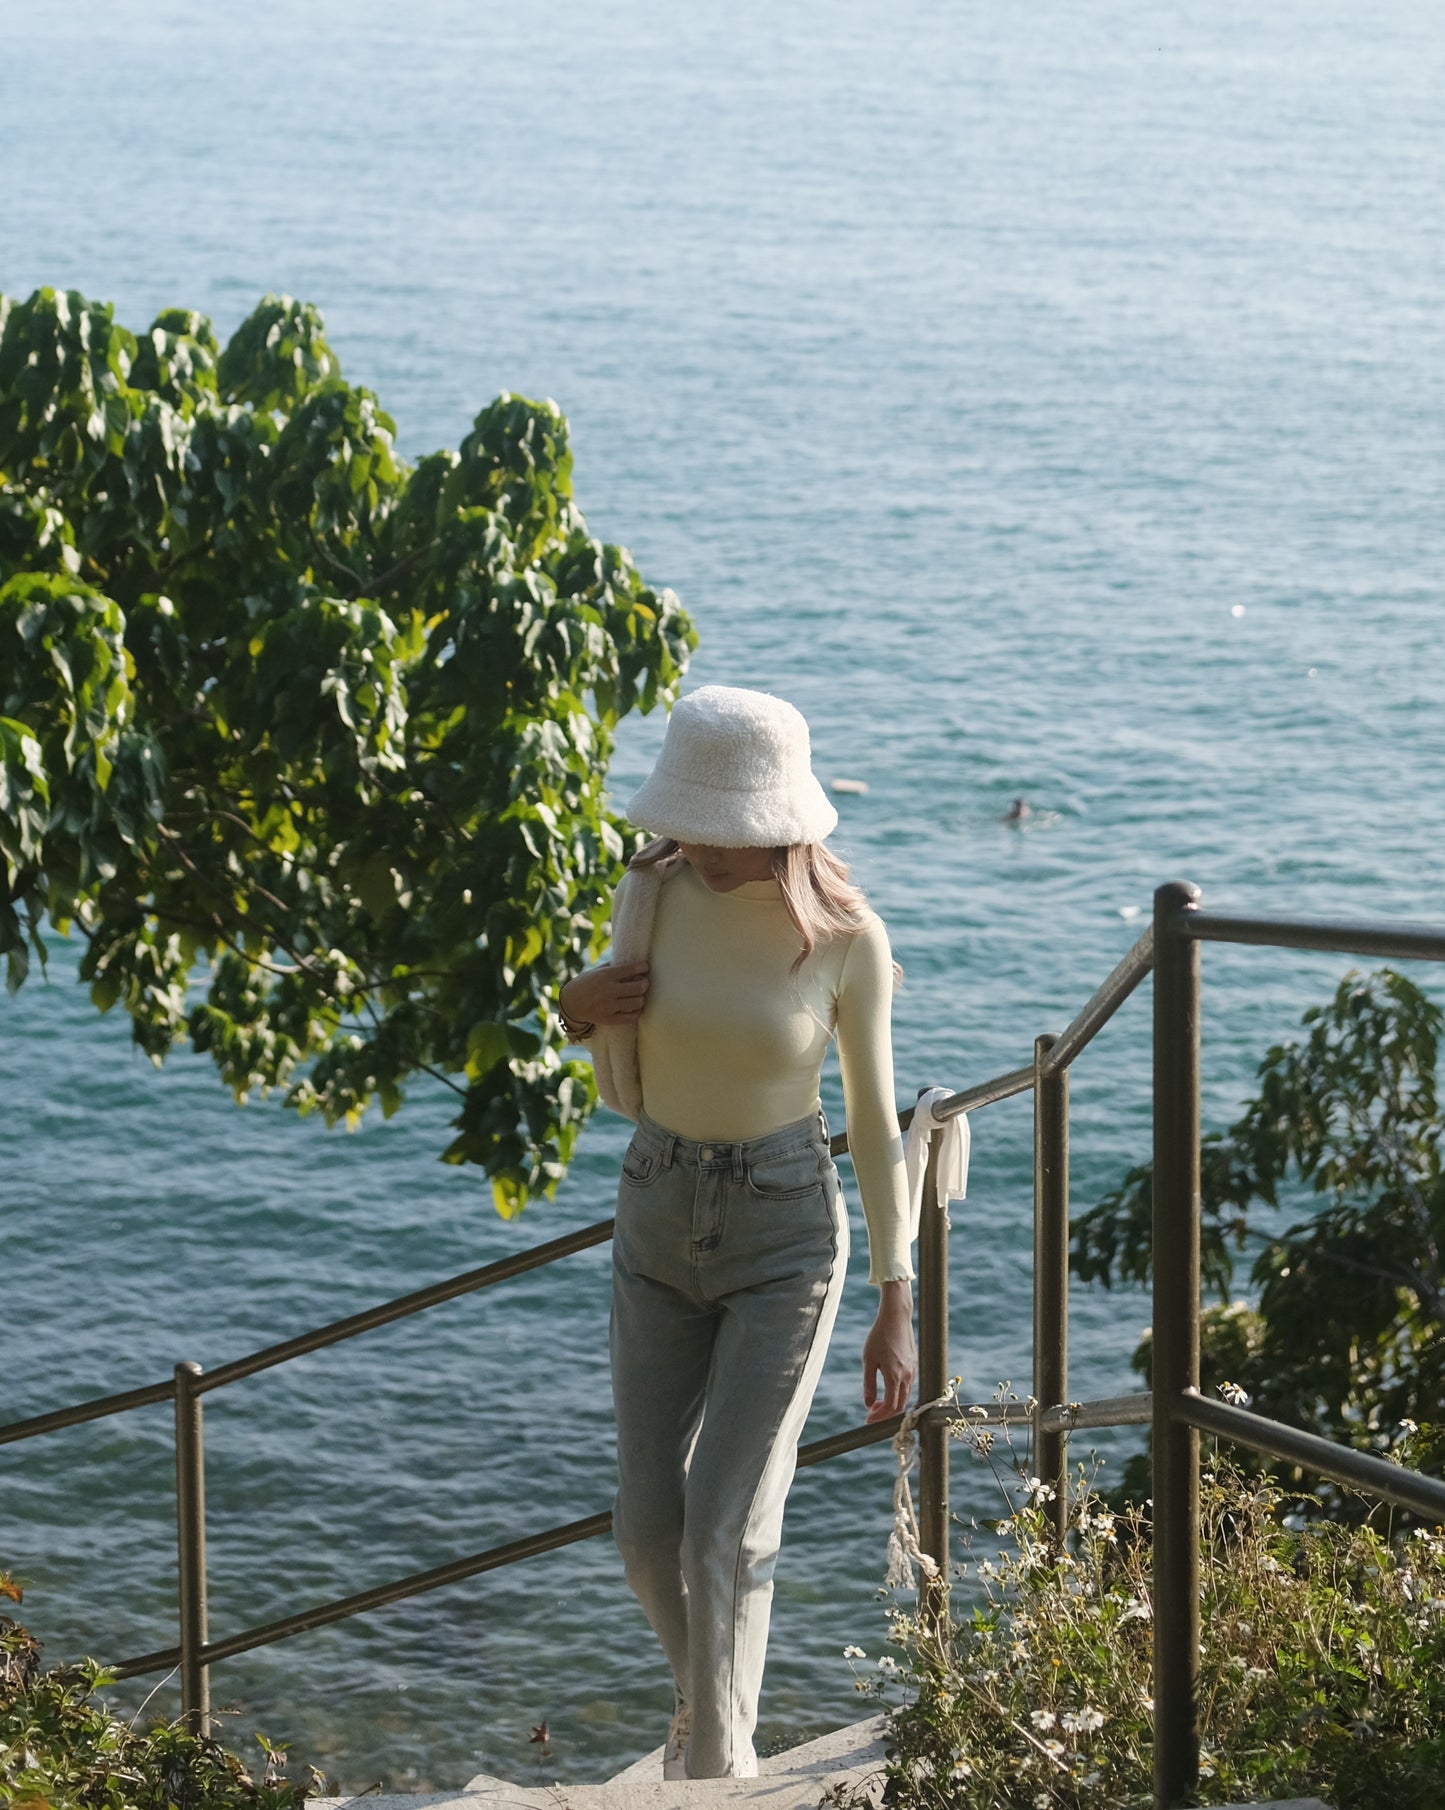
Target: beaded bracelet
[576,1029]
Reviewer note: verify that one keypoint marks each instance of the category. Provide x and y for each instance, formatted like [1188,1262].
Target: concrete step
[796,1780]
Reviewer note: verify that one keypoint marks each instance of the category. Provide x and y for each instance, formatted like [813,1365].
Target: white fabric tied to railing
[950,1183]
[952,1179]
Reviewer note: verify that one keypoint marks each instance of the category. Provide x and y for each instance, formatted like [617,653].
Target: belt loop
[737,1156]
[669,1148]
[823,1121]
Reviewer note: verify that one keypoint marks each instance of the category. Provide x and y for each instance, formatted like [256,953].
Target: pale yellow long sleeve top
[731,1043]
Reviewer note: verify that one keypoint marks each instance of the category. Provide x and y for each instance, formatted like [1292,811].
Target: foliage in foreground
[331,727]
[1323,1666]
[60,1749]
[1347,1339]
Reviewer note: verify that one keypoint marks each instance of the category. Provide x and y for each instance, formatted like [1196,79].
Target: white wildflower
[1042,1718]
[1086,1721]
[854,1653]
[961,1768]
[1236,1396]
[888,1666]
[1055,1749]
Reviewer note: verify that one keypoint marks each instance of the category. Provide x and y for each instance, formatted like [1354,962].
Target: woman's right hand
[610,993]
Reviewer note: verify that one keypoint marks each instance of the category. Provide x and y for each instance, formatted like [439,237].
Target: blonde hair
[820,898]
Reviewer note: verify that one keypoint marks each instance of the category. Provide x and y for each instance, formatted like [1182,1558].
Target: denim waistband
[722,1153]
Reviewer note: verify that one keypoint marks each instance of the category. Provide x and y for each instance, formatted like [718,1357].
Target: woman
[751,951]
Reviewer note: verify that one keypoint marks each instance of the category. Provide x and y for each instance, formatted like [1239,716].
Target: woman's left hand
[890,1356]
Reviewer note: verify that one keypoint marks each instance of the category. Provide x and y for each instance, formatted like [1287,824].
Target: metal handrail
[1180,1412]
[323,1614]
[1002,1087]
[1399,942]
[1114,1411]
[456,1570]
[97,1409]
[1136,965]
[367,1320]
[1340,1463]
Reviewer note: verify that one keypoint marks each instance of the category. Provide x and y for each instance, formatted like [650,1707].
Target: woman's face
[725,869]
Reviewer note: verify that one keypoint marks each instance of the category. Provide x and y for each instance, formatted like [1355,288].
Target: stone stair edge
[789,1780]
[793,1780]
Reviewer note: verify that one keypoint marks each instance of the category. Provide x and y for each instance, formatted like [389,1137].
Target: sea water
[1048,400]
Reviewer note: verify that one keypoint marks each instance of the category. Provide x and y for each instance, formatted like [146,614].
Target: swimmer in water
[1018,812]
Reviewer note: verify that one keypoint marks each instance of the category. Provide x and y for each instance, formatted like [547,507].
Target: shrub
[61,1749]
[1322,1671]
[1345,1333]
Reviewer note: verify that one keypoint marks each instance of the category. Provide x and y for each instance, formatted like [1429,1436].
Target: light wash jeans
[728,1262]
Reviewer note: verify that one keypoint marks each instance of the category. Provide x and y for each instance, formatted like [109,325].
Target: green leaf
[487,1045]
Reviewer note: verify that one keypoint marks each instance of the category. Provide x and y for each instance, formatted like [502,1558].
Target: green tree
[308,744]
[1347,1334]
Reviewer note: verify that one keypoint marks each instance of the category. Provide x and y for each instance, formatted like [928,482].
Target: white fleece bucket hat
[735,771]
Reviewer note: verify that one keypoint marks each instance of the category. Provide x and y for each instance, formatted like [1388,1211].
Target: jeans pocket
[640,1165]
[787,1175]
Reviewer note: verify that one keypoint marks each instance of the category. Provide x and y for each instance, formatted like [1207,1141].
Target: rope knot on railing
[905,1550]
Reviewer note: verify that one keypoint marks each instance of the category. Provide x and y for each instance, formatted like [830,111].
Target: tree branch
[402,567]
[217,927]
[356,579]
[244,917]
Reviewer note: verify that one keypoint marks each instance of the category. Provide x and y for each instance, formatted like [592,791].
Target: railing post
[1051,1275]
[1175,1348]
[191,1549]
[932,1381]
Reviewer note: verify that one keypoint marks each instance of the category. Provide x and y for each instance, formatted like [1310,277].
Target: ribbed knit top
[731,1044]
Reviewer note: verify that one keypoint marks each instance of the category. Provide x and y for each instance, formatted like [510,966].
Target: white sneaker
[674,1755]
